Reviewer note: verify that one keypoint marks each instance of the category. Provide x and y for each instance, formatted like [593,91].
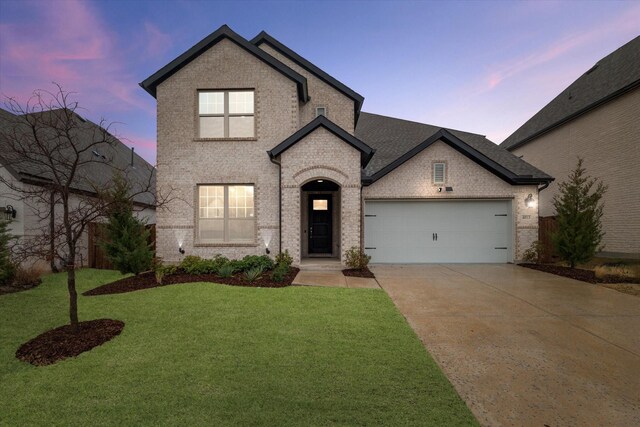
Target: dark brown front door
[320,224]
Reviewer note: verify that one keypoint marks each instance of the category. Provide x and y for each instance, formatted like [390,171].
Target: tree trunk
[73,295]
[52,232]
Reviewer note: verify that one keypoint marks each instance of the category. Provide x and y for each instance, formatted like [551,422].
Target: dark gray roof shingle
[90,176]
[610,77]
[391,138]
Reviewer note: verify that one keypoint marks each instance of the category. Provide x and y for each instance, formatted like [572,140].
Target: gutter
[274,161]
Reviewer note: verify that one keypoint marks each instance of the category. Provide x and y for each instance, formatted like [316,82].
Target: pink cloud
[156,42]
[67,42]
[627,23]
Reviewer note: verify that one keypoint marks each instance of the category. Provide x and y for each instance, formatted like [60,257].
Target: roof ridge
[428,124]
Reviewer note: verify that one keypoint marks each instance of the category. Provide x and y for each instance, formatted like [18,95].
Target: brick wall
[414,180]
[321,155]
[608,138]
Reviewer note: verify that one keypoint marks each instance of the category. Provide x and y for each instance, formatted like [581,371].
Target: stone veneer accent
[414,180]
[608,139]
[320,155]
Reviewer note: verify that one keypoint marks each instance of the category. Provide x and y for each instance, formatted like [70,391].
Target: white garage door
[438,231]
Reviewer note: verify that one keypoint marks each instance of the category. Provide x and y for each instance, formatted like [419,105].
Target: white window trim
[444,173]
[225,219]
[226,113]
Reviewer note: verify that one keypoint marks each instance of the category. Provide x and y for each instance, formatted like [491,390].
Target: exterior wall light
[181,249]
[10,212]
[529,201]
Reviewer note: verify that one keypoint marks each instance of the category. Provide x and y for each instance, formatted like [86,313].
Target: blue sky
[483,67]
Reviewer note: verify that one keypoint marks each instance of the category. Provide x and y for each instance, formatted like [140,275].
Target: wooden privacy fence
[97,257]
[547,225]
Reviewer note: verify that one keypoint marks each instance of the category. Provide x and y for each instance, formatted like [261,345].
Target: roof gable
[394,138]
[366,152]
[358,99]
[612,76]
[224,32]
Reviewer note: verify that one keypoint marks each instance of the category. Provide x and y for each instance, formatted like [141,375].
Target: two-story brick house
[266,151]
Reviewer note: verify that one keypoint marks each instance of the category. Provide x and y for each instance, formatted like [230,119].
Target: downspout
[545,185]
[279,202]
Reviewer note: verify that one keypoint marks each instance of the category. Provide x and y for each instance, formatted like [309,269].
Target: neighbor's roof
[396,141]
[92,176]
[612,76]
[224,32]
[265,38]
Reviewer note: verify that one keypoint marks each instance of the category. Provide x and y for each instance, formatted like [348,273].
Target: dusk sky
[483,67]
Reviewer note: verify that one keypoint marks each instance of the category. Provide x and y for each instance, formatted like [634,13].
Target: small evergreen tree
[127,239]
[7,269]
[579,214]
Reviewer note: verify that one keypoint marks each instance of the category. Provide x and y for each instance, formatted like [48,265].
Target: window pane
[241,230]
[241,127]
[241,201]
[320,205]
[211,230]
[211,201]
[211,102]
[241,102]
[211,127]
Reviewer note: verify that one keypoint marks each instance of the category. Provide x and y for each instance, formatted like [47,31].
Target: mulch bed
[68,341]
[579,274]
[148,281]
[10,289]
[357,272]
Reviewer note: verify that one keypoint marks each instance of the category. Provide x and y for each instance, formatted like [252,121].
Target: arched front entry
[320,219]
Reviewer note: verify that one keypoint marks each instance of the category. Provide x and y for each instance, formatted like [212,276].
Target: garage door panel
[467,231]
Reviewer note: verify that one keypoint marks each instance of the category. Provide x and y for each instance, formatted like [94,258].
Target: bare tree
[65,165]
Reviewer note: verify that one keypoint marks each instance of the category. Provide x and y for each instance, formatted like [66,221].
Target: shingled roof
[109,157]
[612,76]
[396,140]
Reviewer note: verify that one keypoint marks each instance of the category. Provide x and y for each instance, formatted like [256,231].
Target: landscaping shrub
[161,270]
[280,272]
[579,213]
[356,258]
[253,274]
[284,258]
[127,239]
[250,262]
[27,277]
[535,252]
[226,270]
[7,268]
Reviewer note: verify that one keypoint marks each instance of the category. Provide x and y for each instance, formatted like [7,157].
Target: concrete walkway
[333,279]
[523,347]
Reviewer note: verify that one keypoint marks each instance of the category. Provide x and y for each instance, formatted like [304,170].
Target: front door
[320,224]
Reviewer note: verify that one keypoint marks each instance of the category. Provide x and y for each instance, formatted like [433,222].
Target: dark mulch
[10,289]
[68,341]
[358,272]
[579,274]
[148,281]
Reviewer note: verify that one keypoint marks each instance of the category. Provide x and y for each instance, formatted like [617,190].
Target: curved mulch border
[357,272]
[588,276]
[68,341]
[10,289]
[148,281]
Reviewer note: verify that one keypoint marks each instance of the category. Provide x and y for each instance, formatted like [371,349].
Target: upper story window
[226,114]
[321,111]
[439,173]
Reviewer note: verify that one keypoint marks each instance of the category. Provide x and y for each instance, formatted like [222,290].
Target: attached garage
[452,231]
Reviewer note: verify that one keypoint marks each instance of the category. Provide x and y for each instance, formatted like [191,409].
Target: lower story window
[226,214]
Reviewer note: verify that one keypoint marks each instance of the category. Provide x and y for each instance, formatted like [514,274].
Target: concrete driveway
[523,347]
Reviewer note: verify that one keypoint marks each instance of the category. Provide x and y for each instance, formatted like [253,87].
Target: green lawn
[217,355]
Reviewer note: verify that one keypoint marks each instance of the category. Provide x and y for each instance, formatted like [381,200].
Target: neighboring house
[267,151]
[26,219]
[597,118]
